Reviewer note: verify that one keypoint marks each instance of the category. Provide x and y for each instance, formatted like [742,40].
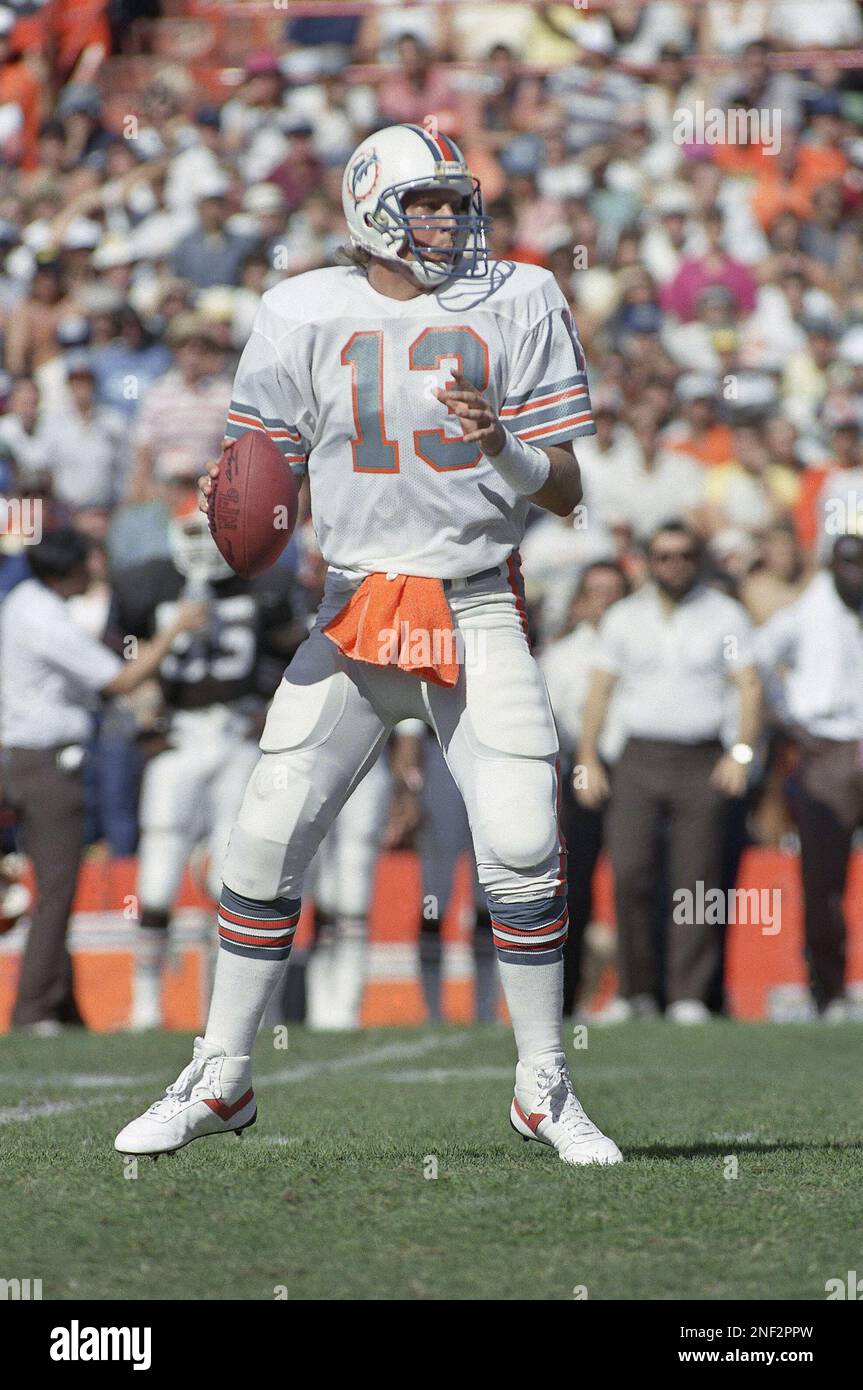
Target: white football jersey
[341,378]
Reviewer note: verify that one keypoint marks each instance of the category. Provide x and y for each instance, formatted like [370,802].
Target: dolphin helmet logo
[363,175]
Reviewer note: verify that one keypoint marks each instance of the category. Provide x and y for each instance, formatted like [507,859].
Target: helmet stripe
[450,152]
[440,145]
[429,142]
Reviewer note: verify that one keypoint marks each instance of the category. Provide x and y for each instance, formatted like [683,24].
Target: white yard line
[77,1080]
[15,1114]
[389,1052]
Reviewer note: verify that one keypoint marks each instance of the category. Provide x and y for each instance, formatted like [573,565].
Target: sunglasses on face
[665,556]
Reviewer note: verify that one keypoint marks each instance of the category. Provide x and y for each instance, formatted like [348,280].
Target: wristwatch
[742,753]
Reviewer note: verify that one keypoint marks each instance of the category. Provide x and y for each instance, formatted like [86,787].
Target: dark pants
[829,807]
[49,806]
[661,786]
[582,831]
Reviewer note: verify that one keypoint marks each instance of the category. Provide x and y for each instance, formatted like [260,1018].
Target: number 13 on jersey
[373,451]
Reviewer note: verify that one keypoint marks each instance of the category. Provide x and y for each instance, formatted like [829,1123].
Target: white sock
[241,993]
[534,997]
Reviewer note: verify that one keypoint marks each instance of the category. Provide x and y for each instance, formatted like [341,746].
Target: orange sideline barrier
[103,921]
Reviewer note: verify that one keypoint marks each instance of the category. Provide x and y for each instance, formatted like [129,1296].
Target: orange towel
[404,622]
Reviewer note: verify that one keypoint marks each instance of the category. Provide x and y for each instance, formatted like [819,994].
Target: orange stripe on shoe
[227,1112]
[533,1120]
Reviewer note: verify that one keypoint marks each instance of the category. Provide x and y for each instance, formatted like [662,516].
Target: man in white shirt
[51,673]
[566,665]
[671,650]
[84,447]
[817,641]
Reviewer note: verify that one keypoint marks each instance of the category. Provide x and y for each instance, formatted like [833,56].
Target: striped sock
[254,945]
[529,939]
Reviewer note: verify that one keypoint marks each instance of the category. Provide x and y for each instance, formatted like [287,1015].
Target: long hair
[353,255]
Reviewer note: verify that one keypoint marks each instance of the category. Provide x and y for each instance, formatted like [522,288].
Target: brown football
[252,507]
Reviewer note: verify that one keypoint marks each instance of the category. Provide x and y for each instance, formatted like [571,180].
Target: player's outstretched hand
[478,421]
[191,616]
[205,484]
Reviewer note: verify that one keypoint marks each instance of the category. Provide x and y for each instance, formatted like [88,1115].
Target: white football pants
[332,715]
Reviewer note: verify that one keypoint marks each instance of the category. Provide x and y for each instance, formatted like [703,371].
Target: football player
[431,395]
[214,687]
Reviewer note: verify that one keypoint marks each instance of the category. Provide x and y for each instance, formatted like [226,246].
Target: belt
[494,573]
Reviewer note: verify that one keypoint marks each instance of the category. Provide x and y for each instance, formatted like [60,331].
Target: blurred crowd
[715,273]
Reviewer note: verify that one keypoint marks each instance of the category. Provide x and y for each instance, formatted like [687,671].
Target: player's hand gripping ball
[252,504]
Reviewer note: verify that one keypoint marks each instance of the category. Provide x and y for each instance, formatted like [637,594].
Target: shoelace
[554,1089]
[201,1070]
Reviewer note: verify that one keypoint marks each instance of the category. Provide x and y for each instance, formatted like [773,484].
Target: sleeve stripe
[245,414]
[282,442]
[564,410]
[566,427]
[529,399]
[562,400]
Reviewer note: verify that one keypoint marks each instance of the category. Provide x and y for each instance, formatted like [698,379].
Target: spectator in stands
[80,111]
[181,422]
[713,267]
[673,649]
[127,366]
[250,121]
[51,673]
[210,255]
[817,642]
[85,448]
[778,576]
[420,86]
[696,431]
[32,334]
[840,500]
[20,100]
[300,171]
[18,429]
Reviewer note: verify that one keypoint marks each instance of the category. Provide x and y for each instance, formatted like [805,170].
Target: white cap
[696,386]
[215,185]
[564,181]
[596,35]
[82,234]
[673,198]
[850,349]
[113,250]
[263,197]
[7,21]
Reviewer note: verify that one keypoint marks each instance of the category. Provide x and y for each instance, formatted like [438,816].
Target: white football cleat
[546,1108]
[213,1095]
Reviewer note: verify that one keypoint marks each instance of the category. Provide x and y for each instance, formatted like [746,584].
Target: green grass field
[327,1195]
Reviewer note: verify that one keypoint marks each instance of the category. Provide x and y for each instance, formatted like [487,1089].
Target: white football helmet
[390,164]
[193,550]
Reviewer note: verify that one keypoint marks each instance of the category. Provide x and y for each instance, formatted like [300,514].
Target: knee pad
[517,812]
[280,826]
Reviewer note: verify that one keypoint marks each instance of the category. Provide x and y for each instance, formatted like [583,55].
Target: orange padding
[404,621]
